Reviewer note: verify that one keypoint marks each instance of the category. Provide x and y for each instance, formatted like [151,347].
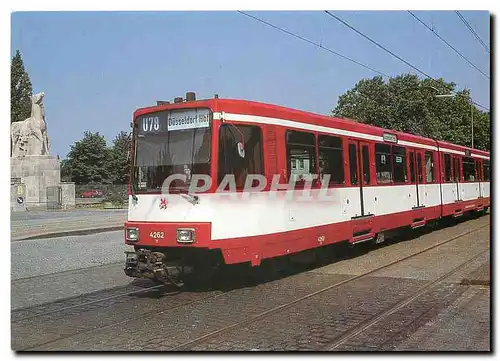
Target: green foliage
[65,170]
[20,90]
[91,161]
[88,160]
[408,104]
[119,165]
[116,200]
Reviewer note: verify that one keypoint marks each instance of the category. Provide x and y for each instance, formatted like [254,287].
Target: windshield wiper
[191,198]
[134,197]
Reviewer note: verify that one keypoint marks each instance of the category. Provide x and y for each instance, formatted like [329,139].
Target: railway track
[68,307]
[238,325]
[407,300]
[173,304]
[32,311]
[182,301]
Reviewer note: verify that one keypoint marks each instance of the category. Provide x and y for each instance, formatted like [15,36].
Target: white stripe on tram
[318,128]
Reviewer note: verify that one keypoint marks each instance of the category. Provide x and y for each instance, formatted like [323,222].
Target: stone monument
[35,174]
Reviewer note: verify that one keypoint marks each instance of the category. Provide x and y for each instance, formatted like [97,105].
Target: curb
[76,232]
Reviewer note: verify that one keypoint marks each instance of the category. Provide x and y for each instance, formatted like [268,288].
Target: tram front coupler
[144,263]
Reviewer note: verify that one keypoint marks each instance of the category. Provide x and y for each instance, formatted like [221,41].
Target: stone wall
[68,195]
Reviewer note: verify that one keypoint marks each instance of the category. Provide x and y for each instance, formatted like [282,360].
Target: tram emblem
[163,203]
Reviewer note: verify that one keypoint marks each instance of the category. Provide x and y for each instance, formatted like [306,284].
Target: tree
[408,104]
[119,165]
[88,160]
[65,171]
[20,90]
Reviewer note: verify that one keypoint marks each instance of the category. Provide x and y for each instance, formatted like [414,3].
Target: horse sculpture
[29,137]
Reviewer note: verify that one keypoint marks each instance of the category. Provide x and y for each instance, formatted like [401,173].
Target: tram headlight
[185,235]
[132,234]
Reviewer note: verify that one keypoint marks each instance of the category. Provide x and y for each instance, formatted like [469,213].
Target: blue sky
[96,68]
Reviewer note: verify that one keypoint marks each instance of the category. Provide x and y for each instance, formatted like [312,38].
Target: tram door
[360,175]
[457,177]
[417,176]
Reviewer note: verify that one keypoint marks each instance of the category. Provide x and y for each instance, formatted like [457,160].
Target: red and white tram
[379,180]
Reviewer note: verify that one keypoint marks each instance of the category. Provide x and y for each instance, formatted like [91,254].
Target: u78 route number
[150,124]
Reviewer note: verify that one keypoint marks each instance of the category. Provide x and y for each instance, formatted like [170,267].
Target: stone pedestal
[41,177]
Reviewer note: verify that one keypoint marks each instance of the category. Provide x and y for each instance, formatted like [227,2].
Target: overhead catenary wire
[473,32]
[313,43]
[389,51]
[447,43]
[377,44]
[479,105]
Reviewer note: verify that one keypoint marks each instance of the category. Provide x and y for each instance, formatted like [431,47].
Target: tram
[225,181]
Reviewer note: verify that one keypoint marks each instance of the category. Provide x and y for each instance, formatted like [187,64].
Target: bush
[116,200]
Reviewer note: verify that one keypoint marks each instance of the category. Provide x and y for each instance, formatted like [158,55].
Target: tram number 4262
[150,124]
[157,235]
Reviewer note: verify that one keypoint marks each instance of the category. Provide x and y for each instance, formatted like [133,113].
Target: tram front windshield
[171,142]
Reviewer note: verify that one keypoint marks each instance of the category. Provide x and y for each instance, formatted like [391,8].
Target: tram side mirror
[241,150]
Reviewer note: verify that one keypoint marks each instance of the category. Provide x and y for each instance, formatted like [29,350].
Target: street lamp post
[452,95]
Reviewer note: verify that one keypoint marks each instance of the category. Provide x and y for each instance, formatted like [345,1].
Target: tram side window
[230,162]
[456,169]
[478,170]
[412,167]
[383,164]
[366,164]
[353,164]
[301,152]
[429,167]
[399,164]
[447,168]
[486,170]
[331,159]
[419,168]
[468,168]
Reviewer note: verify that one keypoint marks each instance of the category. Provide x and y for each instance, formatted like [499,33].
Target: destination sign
[174,120]
[388,137]
[196,118]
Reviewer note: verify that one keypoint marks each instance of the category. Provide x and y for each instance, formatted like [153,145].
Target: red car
[92,194]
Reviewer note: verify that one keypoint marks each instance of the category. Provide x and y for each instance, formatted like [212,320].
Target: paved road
[448,316]
[44,270]
[36,224]
[62,215]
